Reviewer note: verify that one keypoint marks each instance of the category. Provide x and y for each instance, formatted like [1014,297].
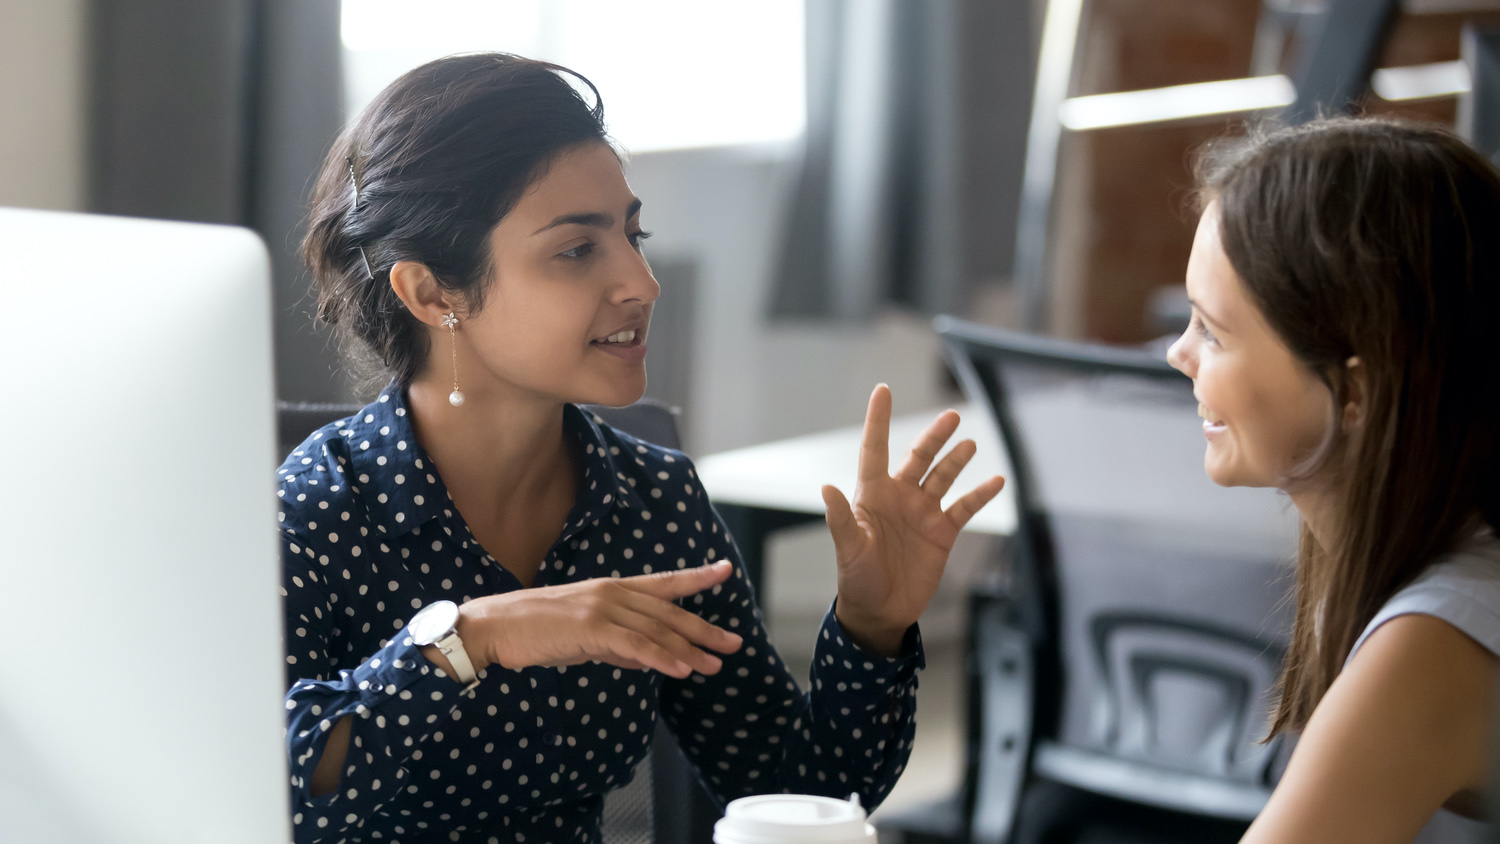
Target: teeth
[1203,412]
[622,337]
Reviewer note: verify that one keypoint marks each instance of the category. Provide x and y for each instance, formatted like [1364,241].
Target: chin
[1221,477]
[1229,473]
[1222,468]
[616,395]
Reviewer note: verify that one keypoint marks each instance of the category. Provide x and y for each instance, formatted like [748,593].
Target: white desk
[787,476]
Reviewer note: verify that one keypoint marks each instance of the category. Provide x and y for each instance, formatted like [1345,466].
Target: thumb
[841,523]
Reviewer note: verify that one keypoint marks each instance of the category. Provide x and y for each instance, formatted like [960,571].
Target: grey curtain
[915,141]
[220,111]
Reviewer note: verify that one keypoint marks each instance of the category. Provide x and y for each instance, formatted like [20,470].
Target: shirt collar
[402,490]
[390,473]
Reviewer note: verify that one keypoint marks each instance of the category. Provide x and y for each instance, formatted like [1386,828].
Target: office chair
[664,803]
[1120,679]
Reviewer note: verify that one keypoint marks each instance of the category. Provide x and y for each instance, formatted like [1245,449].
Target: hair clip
[349,160]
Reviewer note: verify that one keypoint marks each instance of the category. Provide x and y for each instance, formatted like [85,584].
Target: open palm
[892,543]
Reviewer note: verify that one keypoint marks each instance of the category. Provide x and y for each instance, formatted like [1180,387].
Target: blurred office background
[822,176]
[221,110]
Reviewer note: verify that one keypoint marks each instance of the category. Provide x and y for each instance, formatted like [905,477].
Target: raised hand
[892,543]
[630,622]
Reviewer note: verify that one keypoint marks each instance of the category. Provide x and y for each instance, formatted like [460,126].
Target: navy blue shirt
[370,535]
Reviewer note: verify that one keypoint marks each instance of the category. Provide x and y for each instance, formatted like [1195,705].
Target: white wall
[42,146]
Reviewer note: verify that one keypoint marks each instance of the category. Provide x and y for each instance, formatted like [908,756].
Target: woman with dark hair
[1345,282]
[491,595]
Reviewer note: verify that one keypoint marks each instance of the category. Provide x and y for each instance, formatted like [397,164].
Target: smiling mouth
[623,338]
[1207,416]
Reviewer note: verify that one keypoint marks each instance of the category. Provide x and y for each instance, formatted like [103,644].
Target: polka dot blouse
[370,536]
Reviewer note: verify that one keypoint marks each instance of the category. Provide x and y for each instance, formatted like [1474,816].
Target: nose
[636,282]
[1181,357]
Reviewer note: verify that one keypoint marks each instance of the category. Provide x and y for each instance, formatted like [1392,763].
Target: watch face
[433,622]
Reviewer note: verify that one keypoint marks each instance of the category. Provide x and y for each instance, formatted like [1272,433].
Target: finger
[874,450]
[627,647]
[841,523]
[690,626]
[679,583]
[941,478]
[964,508]
[927,446]
[622,662]
[571,661]
[660,639]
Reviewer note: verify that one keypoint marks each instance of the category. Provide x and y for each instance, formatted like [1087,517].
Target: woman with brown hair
[1345,282]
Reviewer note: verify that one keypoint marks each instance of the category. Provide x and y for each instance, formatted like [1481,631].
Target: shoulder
[654,471]
[1423,688]
[1423,656]
[1401,731]
[1461,588]
[312,481]
[1425,666]
[1473,568]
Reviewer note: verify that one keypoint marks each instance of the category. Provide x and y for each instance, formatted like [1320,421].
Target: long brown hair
[1380,240]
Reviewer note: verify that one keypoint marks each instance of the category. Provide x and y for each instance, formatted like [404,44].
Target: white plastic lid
[793,819]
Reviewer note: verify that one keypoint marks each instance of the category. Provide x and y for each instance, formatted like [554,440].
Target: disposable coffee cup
[793,819]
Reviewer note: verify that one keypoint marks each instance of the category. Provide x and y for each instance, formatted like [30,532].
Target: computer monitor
[141,669]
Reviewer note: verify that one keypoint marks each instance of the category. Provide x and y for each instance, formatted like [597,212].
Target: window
[673,73]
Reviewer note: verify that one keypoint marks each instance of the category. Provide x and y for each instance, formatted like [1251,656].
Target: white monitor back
[141,670]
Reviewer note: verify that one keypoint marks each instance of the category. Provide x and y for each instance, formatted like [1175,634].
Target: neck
[1318,506]
[498,451]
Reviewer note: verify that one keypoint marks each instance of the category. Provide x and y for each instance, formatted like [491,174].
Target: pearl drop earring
[450,322]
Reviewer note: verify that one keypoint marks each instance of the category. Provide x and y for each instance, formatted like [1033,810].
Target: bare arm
[1403,729]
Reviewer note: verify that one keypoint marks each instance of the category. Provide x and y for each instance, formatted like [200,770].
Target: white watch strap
[453,648]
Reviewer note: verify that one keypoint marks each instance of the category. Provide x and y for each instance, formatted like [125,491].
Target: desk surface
[789,474]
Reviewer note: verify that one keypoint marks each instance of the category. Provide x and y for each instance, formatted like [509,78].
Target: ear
[416,287]
[1356,393]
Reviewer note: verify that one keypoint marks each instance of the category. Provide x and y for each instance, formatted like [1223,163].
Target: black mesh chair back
[1152,600]
[663,786]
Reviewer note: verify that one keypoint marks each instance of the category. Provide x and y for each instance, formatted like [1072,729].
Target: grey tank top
[1463,589]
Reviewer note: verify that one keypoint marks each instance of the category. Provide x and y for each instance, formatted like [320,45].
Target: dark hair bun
[439,157]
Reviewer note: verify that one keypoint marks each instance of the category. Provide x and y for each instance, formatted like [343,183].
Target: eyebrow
[592,219]
[1205,314]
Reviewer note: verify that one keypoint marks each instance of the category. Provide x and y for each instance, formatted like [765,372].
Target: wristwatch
[436,624]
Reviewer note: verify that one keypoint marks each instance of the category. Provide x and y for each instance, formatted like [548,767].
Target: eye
[637,237]
[1203,330]
[578,252]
